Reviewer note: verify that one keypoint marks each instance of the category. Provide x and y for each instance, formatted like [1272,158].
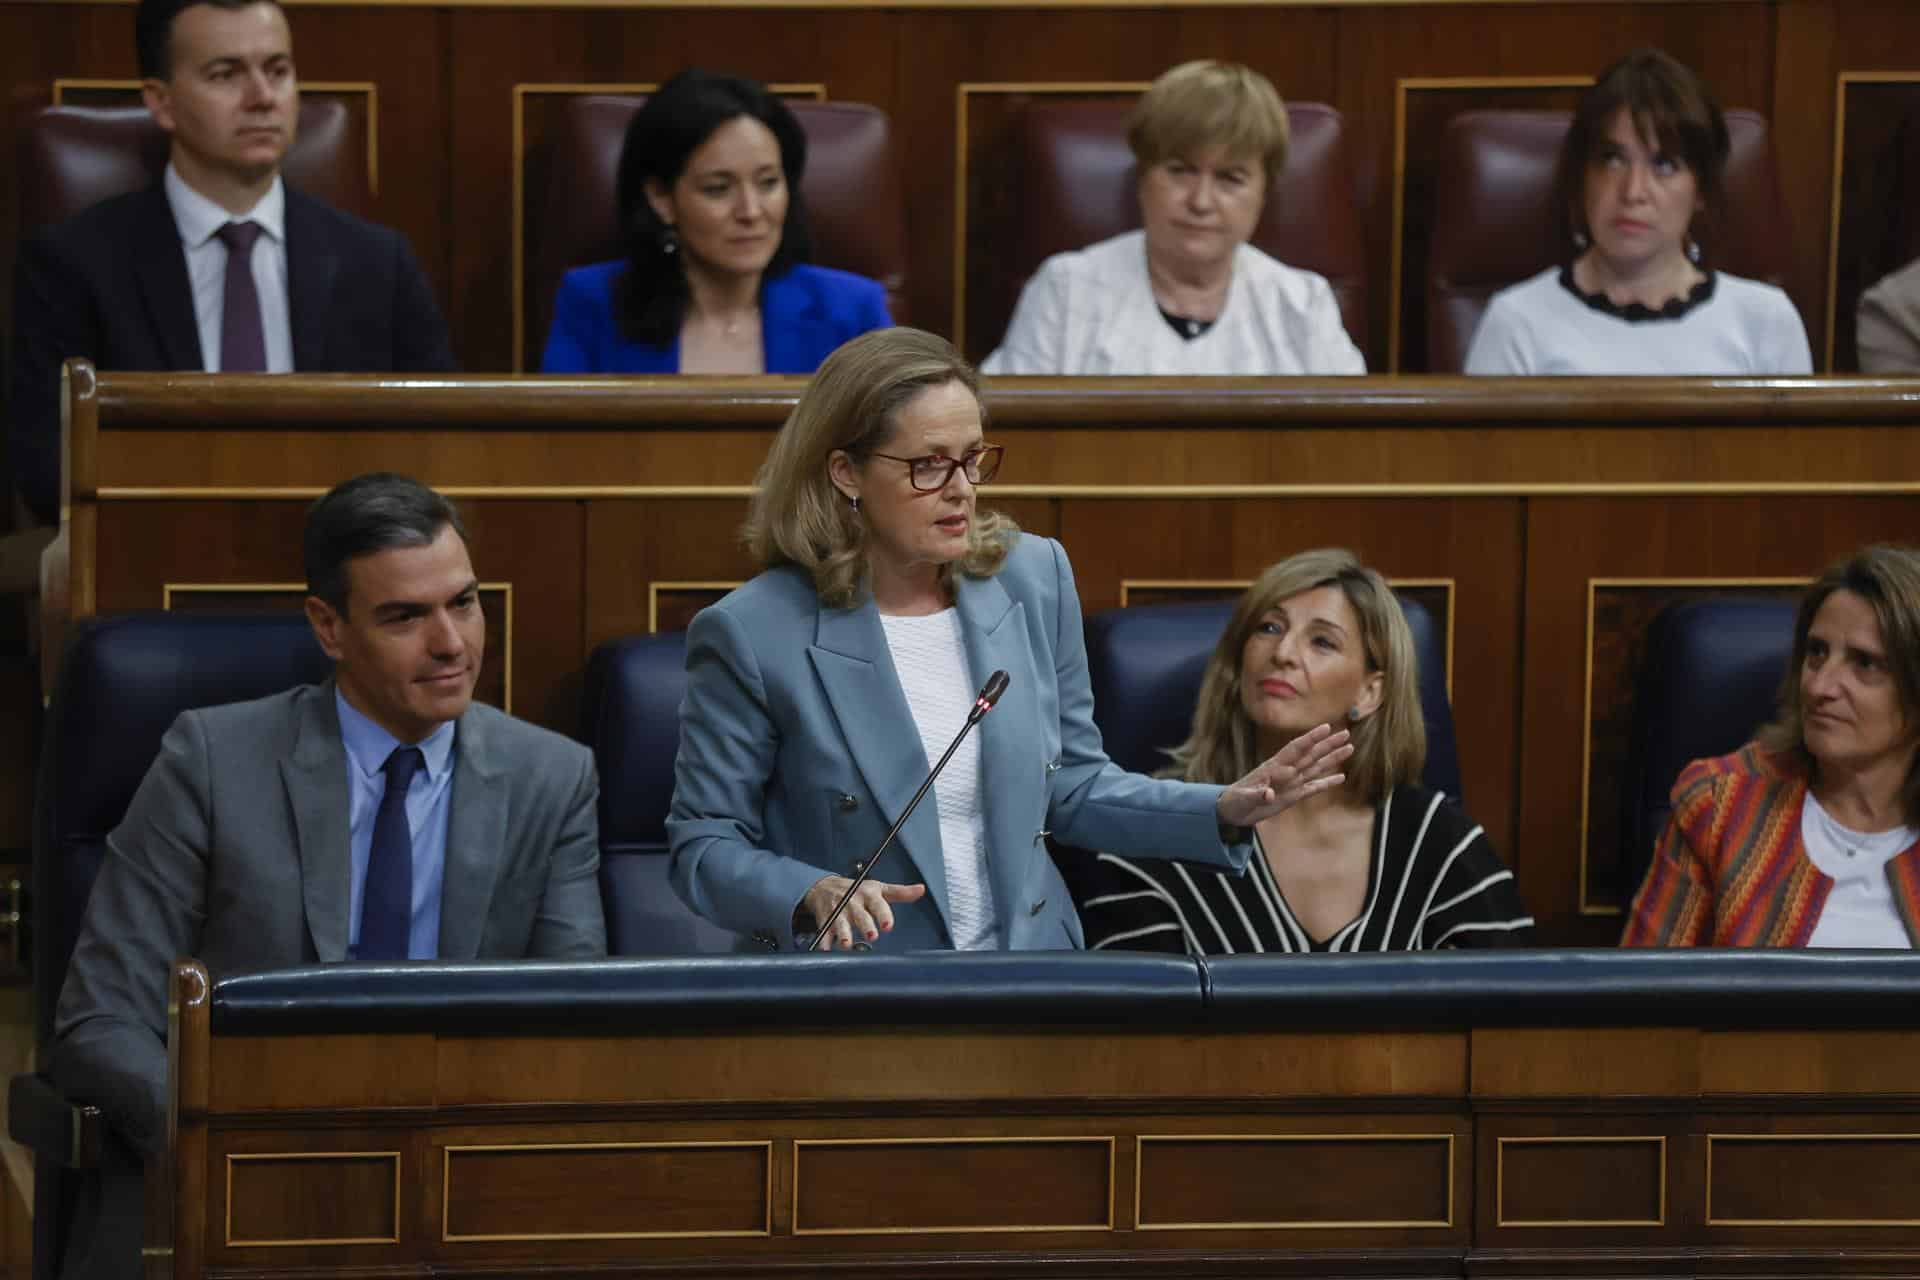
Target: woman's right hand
[868,914]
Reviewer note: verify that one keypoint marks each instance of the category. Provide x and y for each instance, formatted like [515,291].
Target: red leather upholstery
[1494,223]
[73,157]
[851,189]
[1076,186]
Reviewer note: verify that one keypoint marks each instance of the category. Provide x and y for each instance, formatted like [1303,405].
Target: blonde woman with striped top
[1377,864]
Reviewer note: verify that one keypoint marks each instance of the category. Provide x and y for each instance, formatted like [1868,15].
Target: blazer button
[1053,766]
[1037,907]
[848,802]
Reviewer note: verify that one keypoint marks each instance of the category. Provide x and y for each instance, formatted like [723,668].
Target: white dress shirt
[199,220]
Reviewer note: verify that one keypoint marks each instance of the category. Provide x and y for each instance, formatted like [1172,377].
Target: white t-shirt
[1859,912]
[932,662]
[1731,327]
[1092,311]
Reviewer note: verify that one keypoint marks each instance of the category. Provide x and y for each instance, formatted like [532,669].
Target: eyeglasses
[932,472]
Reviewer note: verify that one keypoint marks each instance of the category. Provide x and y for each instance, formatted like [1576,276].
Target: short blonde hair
[1389,746]
[1204,104]
[797,515]
[1888,579]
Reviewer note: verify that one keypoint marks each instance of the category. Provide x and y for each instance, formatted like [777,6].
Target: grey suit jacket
[798,750]
[235,850]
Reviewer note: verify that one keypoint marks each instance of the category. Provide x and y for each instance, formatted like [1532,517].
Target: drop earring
[854,502]
[1693,251]
[1580,241]
[669,240]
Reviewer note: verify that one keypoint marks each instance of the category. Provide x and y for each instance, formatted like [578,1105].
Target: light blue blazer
[798,751]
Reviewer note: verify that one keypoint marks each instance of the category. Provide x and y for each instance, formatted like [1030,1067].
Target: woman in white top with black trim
[1377,864]
[1644,157]
[1186,294]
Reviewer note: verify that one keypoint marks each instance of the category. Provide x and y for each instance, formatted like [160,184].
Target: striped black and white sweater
[1434,882]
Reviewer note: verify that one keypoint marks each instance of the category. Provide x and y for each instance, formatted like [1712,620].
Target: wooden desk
[1544,521]
[644,1134]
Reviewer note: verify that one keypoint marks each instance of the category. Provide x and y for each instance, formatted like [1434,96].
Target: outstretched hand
[868,914]
[1304,767]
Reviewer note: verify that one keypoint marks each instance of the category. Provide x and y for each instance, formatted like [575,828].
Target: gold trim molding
[1713,1138]
[656,588]
[1065,1139]
[1500,1218]
[286,1157]
[765,1147]
[1139,1164]
[1840,86]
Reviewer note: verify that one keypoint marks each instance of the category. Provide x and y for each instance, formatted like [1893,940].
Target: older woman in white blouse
[1186,294]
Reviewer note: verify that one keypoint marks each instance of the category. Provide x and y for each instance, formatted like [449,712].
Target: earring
[1693,251]
[854,502]
[1580,241]
[1353,713]
[669,240]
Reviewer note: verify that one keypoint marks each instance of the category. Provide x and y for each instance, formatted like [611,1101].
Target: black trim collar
[1635,312]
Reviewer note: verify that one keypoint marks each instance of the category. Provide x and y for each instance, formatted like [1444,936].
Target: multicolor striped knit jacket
[1730,869]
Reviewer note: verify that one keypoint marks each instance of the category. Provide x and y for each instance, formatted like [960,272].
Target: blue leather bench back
[122,683]
[1712,678]
[633,692]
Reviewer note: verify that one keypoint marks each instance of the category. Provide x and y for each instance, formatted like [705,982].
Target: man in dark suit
[221,266]
[382,815]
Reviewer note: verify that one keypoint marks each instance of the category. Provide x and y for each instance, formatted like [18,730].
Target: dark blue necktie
[243,335]
[386,911]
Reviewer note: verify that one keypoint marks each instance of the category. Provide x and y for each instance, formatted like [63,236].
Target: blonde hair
[1389,746]
[798,517]
[1888,579]
[1203,104]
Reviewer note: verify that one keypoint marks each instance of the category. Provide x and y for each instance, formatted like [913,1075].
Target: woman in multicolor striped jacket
[1809,836]
[1377,864]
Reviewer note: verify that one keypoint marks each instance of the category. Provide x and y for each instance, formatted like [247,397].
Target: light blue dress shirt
[428,803]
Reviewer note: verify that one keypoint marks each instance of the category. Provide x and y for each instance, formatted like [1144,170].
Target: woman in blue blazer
[715,279]
[818,692]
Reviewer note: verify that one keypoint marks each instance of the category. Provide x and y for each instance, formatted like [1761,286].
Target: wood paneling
[920,1185]
[531,1192]
[1583,1180]
[1813,1179]
[313,1198]
[1297,1181]
[446,79]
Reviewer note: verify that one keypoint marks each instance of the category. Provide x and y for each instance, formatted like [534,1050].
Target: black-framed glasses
[931,472]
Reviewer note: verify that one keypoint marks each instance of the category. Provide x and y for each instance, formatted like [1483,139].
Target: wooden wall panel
[446,75]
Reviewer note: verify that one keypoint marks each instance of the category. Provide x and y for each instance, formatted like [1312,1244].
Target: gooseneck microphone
[982,703]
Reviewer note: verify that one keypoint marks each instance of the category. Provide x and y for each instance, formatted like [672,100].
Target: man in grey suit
[383,815]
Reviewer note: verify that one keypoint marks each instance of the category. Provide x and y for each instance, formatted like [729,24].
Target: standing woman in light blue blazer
[716,278]
[818,692]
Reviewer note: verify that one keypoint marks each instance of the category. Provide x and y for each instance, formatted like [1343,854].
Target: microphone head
[995,686]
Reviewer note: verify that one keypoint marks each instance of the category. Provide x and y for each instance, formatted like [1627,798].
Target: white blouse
[932,662]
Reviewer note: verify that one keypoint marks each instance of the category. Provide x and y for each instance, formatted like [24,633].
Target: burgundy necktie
[243,340]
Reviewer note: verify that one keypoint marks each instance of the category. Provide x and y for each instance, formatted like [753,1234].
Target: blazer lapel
[991,624]
[315,776]
[160,265]
[476,840]
[856,670]
[311,268]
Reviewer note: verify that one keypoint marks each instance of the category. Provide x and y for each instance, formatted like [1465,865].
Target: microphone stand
[983,703]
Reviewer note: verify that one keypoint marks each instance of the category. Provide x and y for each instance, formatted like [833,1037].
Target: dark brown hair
[1670,107]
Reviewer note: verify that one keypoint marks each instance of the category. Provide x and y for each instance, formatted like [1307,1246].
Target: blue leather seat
[632,722]
[1146,664]
[123,681]
[1712,678]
